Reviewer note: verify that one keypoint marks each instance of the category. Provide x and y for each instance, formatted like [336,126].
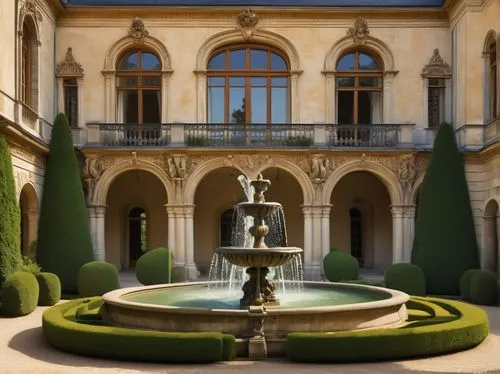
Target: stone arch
[300,176]
[201,172]
[29,210]
[490,253]
[30,16]
[30,193]
[107,178]
[384,174]
[374,45]
[259,36]
[491,36]
[412,196]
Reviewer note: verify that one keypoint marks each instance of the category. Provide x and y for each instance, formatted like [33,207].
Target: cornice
[457,8]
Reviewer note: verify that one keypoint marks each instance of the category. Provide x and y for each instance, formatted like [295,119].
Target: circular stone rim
[258,251]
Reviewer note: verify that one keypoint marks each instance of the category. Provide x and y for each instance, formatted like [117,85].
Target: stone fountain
[258,291]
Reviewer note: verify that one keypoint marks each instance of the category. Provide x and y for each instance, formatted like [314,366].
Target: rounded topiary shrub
[405,277]
[155,266]
[484,288]
[339,266]
[464,284]
[96,278]
[50,289]
[19,294]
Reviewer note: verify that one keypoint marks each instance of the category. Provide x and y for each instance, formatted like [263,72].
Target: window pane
[237,106]
[369,107]
[277,62]
[237,59]
[345,82]
[345,107]
[128,109]
[150,61]
[258,82]
[151,100]
[435,106]
[216,81]
[369,82]
[218,61]
[367,62]
[259,105]
[123,82]
[71,103]
[151,81]
[258,59]
[216,105]
[279,82]
[128,62]
[346,62]
[237,81]
[279,105]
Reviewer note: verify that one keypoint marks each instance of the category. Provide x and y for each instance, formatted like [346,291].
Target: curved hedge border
[452,326]
[61,328]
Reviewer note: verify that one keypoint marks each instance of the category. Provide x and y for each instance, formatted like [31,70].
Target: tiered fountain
[205,306]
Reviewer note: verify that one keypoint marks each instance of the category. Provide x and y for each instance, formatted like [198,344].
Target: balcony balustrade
[249,135]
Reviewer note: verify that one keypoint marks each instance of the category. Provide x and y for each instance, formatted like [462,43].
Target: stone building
[335,101]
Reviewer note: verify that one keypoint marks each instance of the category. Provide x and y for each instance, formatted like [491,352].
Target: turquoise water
[200,296]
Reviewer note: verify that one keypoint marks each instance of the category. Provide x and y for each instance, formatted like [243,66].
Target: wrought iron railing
[379,135]
[259,135]
[134,134]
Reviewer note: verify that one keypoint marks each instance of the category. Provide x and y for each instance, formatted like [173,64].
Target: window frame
[248,73]
[493,80]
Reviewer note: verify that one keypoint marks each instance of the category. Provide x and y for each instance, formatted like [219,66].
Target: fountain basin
[259,209]
[382,307]
[258,257]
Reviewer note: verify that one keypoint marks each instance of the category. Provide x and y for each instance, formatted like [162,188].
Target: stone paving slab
[23,349]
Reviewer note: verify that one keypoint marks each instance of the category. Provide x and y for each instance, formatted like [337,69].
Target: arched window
[138,80]
[356,235]
[493,73]
[248,85]
[359,88]
[138,234]
[29,65]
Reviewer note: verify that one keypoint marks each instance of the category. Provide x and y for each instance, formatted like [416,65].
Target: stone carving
[248,163]
[26,156]
[137,30]
[360,31]
[21,178]
[437,67]
[320,168]
[176,166]
[247,20]
[29,8]
[92,171]
[69,67]
[406,170]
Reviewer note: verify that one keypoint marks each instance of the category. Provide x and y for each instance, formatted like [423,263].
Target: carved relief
[29,8]
[69,67]
[320,168]
[248,163]
[360,31]
[21,177]
[437,67]
[92,171]
[247,20]
[137,30]
[176,166]
[406,170]
[26,156]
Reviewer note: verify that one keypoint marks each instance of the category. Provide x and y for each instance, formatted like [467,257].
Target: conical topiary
[445,243]
[10,238]
[64,242]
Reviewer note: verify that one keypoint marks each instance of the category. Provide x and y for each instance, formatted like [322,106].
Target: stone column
[308,241]
[408,231]
[171,227]
[317,242]
[191,270]
[325,230]
[397,233]
[177,227]
[97,215]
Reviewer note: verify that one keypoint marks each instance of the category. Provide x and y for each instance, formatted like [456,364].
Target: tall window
[356,235]
[138,78]
[248,85]
[436,101]
[26,66]
[493,91]
[70,87]
[359,88]
[137,234]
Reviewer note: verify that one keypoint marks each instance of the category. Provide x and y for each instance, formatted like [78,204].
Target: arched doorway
[28,207]
[490,237]
[136,218]
[226,226]
[361,220]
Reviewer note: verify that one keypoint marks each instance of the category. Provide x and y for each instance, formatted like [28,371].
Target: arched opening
[248,84]
[361,220]
[226,226]
[216,194]
[137,234]
[136,219]
[490,237]
[28,207]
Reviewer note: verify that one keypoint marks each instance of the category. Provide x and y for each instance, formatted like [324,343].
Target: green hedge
[464,284]
[340,266]
[96,278]
[440,334]
[155,267]
[484,288]
[405,277]
[63,332]
[50,289]
[19,294]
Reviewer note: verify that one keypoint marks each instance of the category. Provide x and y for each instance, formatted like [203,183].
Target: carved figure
[176,166]
[91,173]
[137,29]
[360,30]
[407,170]
[320,166]
[69,67]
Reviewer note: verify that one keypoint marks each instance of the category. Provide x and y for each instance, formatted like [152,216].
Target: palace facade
[336,102]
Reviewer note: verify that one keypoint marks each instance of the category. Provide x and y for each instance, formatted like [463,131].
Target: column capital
[402,209]
[180,210]
[97,209]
